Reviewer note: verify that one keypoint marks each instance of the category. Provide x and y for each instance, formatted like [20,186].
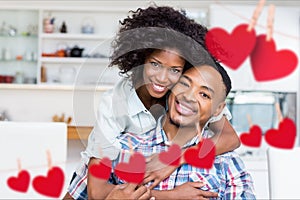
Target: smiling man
[197,97]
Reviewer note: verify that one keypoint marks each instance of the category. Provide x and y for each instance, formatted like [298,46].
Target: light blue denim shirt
[120,110]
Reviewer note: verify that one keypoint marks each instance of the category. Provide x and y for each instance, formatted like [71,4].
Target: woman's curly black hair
[157,27]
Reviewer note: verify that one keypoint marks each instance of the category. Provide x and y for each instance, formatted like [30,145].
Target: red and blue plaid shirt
[228,176]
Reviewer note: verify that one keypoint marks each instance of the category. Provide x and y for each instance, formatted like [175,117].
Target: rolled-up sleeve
[102,141]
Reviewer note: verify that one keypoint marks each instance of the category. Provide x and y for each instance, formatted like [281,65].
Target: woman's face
[162,70]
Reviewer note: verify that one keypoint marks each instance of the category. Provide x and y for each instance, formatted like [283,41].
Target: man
[197,97]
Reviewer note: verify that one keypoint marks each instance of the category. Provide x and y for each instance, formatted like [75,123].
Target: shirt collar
[135,105]
[161,137]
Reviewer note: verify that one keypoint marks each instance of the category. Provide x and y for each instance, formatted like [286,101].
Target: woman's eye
[154,64]
[175,71]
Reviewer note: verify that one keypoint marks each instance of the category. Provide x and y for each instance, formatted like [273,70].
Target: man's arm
[188,190]
[238,180]
[97,188]
[225,138]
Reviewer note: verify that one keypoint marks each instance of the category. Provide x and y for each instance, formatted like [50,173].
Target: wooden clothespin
[130,146]
[49,159]
[256,14]
[279,113]
[19,164]
[270,22]
[249,121]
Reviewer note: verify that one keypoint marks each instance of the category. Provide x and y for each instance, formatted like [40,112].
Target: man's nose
[189,94]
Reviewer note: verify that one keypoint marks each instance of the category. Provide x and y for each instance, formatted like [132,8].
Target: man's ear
[219,109]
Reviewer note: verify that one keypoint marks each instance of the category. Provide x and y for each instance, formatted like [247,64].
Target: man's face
[197,96]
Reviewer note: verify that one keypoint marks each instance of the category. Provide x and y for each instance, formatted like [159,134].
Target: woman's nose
[162,75]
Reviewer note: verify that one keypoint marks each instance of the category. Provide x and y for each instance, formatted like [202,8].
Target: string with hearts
[172,156]
[284,137]
[102,169]
[267,63]
[202,155]
[254,137]
[227,47]
[21,182]
[52,184]
[134,170]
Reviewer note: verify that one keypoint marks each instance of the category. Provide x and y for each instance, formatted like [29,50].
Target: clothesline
[248,19]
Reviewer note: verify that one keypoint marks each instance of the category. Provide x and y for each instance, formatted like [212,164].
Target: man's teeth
[185,110]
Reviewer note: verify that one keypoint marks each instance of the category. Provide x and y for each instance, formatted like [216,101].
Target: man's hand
[191,190]
[129,191]
[157,171]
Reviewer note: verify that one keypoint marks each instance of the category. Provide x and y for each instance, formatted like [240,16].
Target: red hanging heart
[202,156]
[52,184]
[231,49]
[101,170]
[253,138]
[172,156]
[284,137]
[21,182]
[268,64]
[134,170]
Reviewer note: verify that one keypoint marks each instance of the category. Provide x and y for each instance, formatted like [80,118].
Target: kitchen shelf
[12,86]
[69,36]
[59,60]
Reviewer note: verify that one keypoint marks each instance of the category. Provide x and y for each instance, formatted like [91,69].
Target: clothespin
[256,14]
[49,159]
[279,113]
[130,146]
[249,121]
[19,164]
[270,22]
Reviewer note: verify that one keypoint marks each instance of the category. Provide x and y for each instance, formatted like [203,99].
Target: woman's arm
[97,188]
[225,138]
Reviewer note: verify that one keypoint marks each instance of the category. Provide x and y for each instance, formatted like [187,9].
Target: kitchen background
[54,56]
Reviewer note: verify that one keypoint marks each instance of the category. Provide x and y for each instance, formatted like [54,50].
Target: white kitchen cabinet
[91,67]
[23,53]
[286,35]
[18,45]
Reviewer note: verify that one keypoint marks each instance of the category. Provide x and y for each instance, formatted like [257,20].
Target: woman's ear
[219,109]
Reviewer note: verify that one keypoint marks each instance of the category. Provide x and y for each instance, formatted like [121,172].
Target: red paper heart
[284,137]
[268,64]
[134,170]
[101,170]
[202,156]
[21,182]
[172,156]
[231,49]
[253,138]
[52,184]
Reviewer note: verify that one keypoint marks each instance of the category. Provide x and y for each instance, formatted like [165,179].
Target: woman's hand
[129,191]
[191,190]
[157,171]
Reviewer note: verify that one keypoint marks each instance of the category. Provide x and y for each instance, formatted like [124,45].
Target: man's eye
[184,83]
[204,95]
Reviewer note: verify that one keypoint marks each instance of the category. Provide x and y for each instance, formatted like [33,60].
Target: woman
[152,48]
